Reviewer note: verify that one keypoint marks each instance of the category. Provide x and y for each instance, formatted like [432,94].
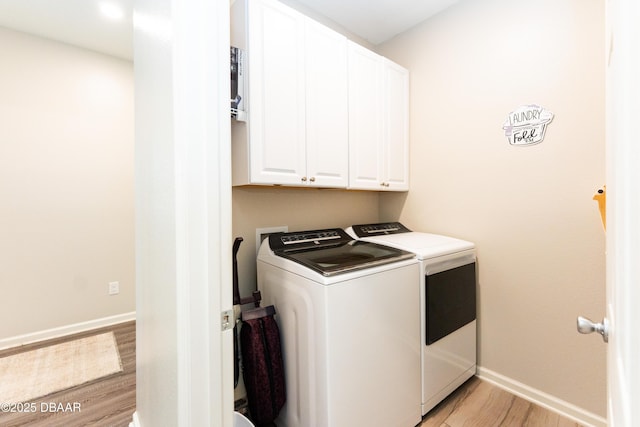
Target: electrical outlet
[263,233]
[114,288]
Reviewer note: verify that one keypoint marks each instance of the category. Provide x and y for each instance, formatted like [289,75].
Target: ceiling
[76,22]
[79,22]
[377,20]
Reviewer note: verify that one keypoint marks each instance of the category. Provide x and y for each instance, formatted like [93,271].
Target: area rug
[36,373]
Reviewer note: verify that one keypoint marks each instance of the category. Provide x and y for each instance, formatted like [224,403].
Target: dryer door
[450,300]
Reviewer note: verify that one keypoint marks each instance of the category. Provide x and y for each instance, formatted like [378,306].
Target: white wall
[529,210]
[66,184]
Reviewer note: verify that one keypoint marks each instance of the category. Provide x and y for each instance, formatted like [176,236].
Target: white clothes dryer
[448,304]
[349,319]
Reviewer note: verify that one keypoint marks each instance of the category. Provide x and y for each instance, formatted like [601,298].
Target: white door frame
[183,213]
[623,212]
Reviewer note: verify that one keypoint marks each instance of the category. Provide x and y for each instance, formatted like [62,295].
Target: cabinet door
[276,83]
[396,110]
[327,131]
[365,118]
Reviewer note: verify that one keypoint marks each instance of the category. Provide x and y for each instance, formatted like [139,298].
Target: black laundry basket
[263,368]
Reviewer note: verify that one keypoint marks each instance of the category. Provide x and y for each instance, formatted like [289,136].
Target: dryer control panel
[369,230]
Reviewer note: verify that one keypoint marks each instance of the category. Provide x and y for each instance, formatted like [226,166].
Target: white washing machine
[448,311]
[348,313]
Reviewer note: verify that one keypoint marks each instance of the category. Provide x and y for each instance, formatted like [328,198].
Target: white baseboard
[65,330]
[135,422]
[543,399]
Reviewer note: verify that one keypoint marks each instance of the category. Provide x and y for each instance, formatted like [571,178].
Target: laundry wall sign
[527,125]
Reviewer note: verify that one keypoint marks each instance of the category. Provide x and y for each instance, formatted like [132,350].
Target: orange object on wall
[601,198]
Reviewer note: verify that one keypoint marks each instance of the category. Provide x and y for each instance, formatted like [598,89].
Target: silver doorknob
[587,326]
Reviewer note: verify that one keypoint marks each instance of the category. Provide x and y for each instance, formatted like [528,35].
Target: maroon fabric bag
[263,369]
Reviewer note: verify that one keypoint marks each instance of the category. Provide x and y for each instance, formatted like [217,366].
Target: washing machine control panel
[368,230]
[309,237]
[300,240]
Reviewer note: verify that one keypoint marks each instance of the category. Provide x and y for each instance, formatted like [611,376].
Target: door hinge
[228,320]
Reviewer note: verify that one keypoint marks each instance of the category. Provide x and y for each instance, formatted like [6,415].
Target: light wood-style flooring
[478,403]
[106,402]
[111,401]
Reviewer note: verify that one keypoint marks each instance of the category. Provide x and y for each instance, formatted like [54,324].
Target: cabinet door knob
[312,179]
[304,179]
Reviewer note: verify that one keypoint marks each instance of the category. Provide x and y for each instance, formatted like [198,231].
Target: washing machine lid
[332,252]
[424,245]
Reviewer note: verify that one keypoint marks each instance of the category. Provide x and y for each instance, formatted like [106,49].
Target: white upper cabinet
[378,122]
[321,111]
[296,132]
[395,159]
[366,136]
[276,97]
[327,115]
